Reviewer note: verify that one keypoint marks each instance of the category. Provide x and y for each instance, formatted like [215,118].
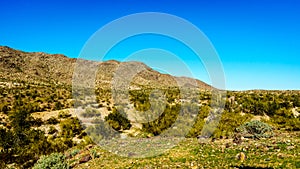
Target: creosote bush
[52,161]
[118,120]
[255,129]
[63,115]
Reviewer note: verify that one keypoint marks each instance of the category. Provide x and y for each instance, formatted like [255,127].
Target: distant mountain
[41,67]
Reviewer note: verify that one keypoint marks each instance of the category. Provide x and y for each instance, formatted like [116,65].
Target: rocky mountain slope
[38,67]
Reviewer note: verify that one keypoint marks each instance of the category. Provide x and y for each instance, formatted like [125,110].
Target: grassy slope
[281,151]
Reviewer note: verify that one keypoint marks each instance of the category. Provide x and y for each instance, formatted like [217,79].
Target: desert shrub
[52,130]
[296,101]
[255,129]
[52,161]
[21,140]
[100,130]
[37,122]
[70,127]
[286,123]
[4,107]
[199,122]
[61,144]
[74,152]
[58,105]
[20,117]
[52,120]
[229,122]
[117,120]
[90,112]
[6,140]
[63,114]
[164,121]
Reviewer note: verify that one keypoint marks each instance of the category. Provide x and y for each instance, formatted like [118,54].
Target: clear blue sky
[258,41]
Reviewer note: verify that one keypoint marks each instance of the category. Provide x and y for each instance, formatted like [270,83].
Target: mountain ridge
[59,69]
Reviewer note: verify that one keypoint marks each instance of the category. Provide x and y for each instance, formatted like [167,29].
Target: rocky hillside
[35,66]
[38,67]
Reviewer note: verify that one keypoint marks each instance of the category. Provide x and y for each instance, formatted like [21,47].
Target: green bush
[52,161]
[52,130]
[52,120]
[70,127]
[118,120]
[63,115]
[100,130]
[164,121]
[94,154]
[74,152]
[255,129]
[90,112]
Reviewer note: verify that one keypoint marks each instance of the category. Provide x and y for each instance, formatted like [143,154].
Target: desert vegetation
[44,123]
[249,118]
